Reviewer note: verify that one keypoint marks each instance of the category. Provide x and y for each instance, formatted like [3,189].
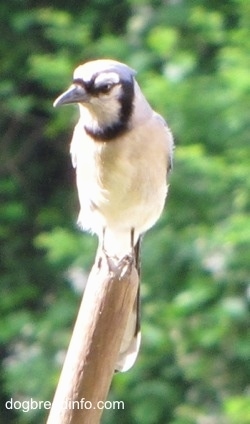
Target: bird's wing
[169,138]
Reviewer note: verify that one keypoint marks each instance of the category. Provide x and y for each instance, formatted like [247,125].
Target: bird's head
[104,90]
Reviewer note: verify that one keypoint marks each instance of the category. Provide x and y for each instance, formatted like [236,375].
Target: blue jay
[122,152]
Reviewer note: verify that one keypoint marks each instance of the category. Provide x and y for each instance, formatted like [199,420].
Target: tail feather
[132,337]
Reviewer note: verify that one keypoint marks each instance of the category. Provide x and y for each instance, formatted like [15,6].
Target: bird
[122,151]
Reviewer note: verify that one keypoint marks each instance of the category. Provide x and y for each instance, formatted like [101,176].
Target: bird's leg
[132,245]
[102,252]
[132,238]
[132,256]
[135,249]
[103,235]
[101,249]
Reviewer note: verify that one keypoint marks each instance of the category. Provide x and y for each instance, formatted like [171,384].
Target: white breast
[122,183]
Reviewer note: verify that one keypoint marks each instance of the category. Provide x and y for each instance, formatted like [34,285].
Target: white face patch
[106,107]
[109,85]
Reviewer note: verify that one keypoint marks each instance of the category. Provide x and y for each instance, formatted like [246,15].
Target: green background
[193,61]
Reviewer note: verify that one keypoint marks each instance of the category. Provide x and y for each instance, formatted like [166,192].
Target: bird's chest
[103,172]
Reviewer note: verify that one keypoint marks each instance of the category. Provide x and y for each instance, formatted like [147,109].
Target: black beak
[75,94]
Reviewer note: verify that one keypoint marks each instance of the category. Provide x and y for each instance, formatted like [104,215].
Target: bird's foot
[110,260]
[115,264]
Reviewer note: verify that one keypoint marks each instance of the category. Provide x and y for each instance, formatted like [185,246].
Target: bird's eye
[105,88]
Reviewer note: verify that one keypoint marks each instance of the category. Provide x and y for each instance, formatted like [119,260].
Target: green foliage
[193,64]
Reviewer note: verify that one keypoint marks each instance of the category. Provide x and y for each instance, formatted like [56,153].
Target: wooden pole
[90,361]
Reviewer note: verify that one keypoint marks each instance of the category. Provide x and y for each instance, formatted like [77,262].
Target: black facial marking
[121,126]
[126,100]
[91,88]
[108,133]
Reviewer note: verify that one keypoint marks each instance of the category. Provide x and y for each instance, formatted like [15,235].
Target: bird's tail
[132,337]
